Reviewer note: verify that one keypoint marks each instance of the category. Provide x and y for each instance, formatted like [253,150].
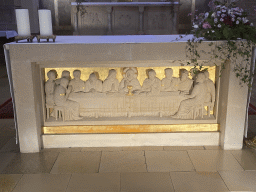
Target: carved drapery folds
[177,97]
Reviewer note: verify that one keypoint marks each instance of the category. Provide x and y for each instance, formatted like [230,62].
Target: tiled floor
[134,169]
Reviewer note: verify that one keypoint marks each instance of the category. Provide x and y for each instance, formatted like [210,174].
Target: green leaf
[226,32]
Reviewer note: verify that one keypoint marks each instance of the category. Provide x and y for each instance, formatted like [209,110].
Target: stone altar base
[26,64]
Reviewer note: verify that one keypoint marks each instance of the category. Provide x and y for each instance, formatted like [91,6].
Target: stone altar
[28,69]
[126,18]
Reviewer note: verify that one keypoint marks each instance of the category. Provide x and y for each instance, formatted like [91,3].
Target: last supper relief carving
[174,92]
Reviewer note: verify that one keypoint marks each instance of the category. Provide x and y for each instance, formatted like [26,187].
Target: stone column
[56,11]
[175,11]
[109,11]
[75,24]
[141,11]
[193,10]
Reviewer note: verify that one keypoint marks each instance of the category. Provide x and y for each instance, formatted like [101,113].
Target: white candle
[22,18]
[45,22]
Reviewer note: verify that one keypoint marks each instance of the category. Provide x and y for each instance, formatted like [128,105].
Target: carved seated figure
[93,84]
[111,83]
[186,83]
[50,87]
[130,79]
[210,94]
[61,99]
[197,97]
[65,74]
[76,84]
[170,83]
[151,85]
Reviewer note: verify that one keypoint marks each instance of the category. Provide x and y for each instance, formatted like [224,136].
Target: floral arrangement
[224,22]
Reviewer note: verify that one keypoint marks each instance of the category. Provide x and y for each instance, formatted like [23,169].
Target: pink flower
[206,25]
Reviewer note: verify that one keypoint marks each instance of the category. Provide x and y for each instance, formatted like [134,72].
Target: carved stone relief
[125,19]
[177,97]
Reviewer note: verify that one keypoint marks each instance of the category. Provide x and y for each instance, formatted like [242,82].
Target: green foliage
[230,25]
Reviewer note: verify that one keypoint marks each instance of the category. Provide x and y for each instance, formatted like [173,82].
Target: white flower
[223,15]
[233,16]
[213,15]
[245,20]
[218,6]
[251,24]
[207,31]
[233,19]
[195,26]
[221,19]
[219,25]
[213,31]
[223,10]
[237,22]
[206,15]
[218,12]
[239,18]
[215,20]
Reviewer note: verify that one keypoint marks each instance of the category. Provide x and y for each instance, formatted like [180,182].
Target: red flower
[228,21]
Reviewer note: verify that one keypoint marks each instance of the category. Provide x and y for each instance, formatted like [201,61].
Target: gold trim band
[131,128]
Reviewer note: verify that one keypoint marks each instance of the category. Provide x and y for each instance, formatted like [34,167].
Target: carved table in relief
[103,105]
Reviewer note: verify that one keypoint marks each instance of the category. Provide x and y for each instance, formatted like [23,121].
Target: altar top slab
[111,39]
[127,3]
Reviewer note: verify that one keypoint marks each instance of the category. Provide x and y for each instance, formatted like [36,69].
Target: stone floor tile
[143,148]
[101,149]
[210,147]
[10,147]
[149,182]
[43,183]
[165,161]
[7,131]
[71,149]
[197,181]
[8,182]
[25,163]
[5,159]
[239,180]
[213,160]
[183,148]
[94,182]
[246,158]
[77,162]
[123,161]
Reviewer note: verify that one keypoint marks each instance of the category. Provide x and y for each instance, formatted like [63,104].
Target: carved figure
[76,84]
[50,87]
[210,94]
[170,83]
[151,85]
[111,83]
[65,74]
[61,99]
[93,84]
[196,98]
[186,83]
[130,79]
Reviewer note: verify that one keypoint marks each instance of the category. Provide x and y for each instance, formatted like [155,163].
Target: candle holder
[29,38]
[53,37]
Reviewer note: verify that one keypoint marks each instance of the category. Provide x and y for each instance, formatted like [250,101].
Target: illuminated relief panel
[79,94]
